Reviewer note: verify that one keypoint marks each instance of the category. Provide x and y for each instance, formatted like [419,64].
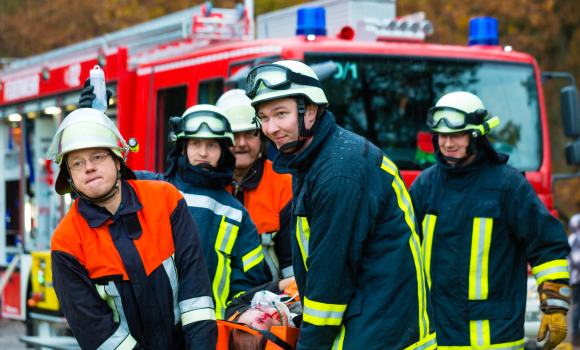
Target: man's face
[279,120]
[94,180]
[454,145]
[246,148]
[263,320]
[203,151]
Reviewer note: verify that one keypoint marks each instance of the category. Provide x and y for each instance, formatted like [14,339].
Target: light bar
[483,31]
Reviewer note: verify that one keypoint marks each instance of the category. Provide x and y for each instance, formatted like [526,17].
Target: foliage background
[547,29]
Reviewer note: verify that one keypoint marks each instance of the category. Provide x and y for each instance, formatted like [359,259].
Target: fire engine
[379,75]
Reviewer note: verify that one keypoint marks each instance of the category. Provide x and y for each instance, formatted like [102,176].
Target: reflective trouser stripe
[478,276]
[287,272]
[322,314]
[404,201]
[303,236]
[515,345]
[171,270]
[339,340]
[427,343]
[253,258]
[121,339]
[428,229]
[552,270]
[221,284]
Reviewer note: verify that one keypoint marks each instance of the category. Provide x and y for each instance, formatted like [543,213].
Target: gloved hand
[555,302]
[87,96]
[556,324]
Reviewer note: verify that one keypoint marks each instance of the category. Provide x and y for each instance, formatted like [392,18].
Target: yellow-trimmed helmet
[460,111]
[284,79]
[238,109]
[82,129]
[204,122]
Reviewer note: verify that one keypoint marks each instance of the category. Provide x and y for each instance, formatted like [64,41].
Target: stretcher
[279,337]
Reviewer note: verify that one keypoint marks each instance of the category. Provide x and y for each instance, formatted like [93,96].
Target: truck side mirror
[573,153]
[570,113]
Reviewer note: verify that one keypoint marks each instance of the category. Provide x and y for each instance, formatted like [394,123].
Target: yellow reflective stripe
[428,230]
[479,277]
[197,315]
[339,340]
[253,258]
[322,314]
[427,343]
[303,237]
[221,284]
[515,345]
[552,270]
[127,344]
[404,202]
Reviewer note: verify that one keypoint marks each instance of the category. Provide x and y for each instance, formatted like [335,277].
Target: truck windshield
[386,99]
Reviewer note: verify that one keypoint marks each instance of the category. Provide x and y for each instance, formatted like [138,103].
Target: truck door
[171,102]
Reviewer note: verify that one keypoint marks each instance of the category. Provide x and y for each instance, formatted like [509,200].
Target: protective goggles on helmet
[196,121]
[475,118]
[276,77]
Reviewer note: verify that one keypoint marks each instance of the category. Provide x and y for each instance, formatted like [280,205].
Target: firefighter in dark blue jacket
[202,166]
[356,253]
[482,223]
[127,261]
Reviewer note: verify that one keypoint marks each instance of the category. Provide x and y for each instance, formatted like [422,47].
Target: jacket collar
[252,179]
[463,170]
[288,163]
[197,177]
[96,215]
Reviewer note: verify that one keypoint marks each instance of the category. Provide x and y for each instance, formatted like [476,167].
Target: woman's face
[264,320]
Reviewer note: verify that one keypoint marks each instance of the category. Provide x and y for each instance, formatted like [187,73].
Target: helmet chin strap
[104,198]
[471,150]
[303,133]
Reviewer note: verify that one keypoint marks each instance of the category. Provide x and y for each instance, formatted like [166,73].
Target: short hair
[246,341]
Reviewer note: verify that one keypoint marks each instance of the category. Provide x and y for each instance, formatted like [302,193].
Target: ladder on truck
[202,24]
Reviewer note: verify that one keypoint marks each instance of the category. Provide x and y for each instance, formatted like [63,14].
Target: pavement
[10,331]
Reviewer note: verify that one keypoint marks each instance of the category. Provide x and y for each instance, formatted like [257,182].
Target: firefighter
[127,261]
[482,222]
[356,253]
[201,167]
[266,194]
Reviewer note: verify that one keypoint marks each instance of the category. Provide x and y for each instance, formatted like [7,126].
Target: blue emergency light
[311,21]
[483,31]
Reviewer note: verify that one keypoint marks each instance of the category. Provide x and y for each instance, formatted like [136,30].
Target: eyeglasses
[81,164]
[276,77]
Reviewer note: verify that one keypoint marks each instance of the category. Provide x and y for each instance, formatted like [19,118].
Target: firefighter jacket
[482,223]
[356,253]
[135,279]
[267,197]
[230,241]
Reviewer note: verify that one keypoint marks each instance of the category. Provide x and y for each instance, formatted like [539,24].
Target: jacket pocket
[354,307]
[488,309]
[484,208]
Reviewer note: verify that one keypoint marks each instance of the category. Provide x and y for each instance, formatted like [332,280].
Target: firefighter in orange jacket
[128,265]
[266,194]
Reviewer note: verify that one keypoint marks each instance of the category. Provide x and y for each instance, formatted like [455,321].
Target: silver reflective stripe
[196,304]
[303,238]
[480,248]
[558,302]
[418,253]
[427,344]
[405,200]
[389,165]
[123,331]
[266,239]
[197,201]
[339,341]
[227,234]
[551,270]
[257,255]
[171,271]
[287,272]
[323,314]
